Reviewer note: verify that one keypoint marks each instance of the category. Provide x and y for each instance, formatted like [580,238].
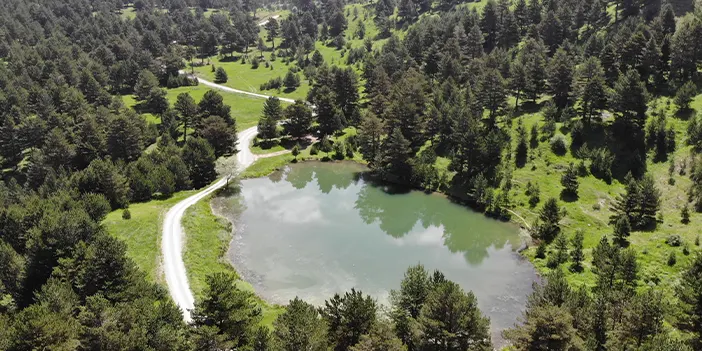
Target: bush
[291,81]
[685,214]
[541,250]
[254,63]
[672,260]
[674,240]
[558,145]
[314,150]
[339,151]
[274,83]
[221,76]
[349,149]
[577,134]
[532,190]
[126,214]
[685,94]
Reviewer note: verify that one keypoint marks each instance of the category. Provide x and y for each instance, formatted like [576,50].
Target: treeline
[70,152]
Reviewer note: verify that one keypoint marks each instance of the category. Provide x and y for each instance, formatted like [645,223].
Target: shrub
[672,260]
[349,149]
[541,250]
[674,240]
[558,145]
[532,190]
[685,214]
[291,81]
[577,134]
[685,94]
[221,76]
[339,151]
[314,150]
[274,83]
[126,214]
[254,62]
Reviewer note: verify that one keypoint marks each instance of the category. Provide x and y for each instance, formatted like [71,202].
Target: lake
[316,229]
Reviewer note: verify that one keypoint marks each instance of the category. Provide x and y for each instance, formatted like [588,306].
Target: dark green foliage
[348,317]
[576,252]
[522,148]
[541,250]
[672,259]
[221,75]
[547,226]
[685,215]
[569,181]
[126,214]
[230,311]
[199,157]
[532,190]
[685,94]
[560,255]
[299,328]
[622,230]
[219,134]
[639,204]
[291,81]
[299,119]
[545,328]
[558,145]
[673,240]
[560,77]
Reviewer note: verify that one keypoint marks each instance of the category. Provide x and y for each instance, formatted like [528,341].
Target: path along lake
[316,229]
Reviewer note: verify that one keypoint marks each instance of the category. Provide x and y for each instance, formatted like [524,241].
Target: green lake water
[317,228]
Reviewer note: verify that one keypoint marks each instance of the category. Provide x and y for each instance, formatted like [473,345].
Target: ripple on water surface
[317,229]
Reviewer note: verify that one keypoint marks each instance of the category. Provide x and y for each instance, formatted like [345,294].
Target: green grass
[243,77]
[128,13]
[142,233]
[591,211]
[245,109]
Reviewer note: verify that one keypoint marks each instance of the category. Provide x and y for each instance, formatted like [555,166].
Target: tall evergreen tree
[560,77]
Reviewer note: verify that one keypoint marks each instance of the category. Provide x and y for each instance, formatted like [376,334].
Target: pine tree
[685,94]
[187,110]
[533,57]
[395,155]
[522,148]
[490,25]
[370,138]
[521,15]
[560,77]
[628,100]
[10,143]
[590,88]
[221,75]
[549,217]
[685,214]
[299,119]
[492,87]
[518,81]
[622,230]
[474,44]
[569,180]
[650,202]
[272,109]
[327,112]
[689,293]
[561,246]
[267,128]
[576,254]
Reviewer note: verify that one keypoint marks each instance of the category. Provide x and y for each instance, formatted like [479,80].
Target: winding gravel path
[173,235]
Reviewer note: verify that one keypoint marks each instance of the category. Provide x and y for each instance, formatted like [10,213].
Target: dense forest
[439,81]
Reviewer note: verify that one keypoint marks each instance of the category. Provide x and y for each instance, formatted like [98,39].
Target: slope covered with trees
[527,107]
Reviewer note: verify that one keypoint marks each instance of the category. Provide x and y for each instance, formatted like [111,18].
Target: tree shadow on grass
[567,196]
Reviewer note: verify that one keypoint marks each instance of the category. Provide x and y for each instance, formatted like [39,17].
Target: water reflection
[397,215]
[317,229]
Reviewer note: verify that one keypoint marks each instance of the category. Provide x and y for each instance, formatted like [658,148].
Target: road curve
[237,91]
[172,236]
